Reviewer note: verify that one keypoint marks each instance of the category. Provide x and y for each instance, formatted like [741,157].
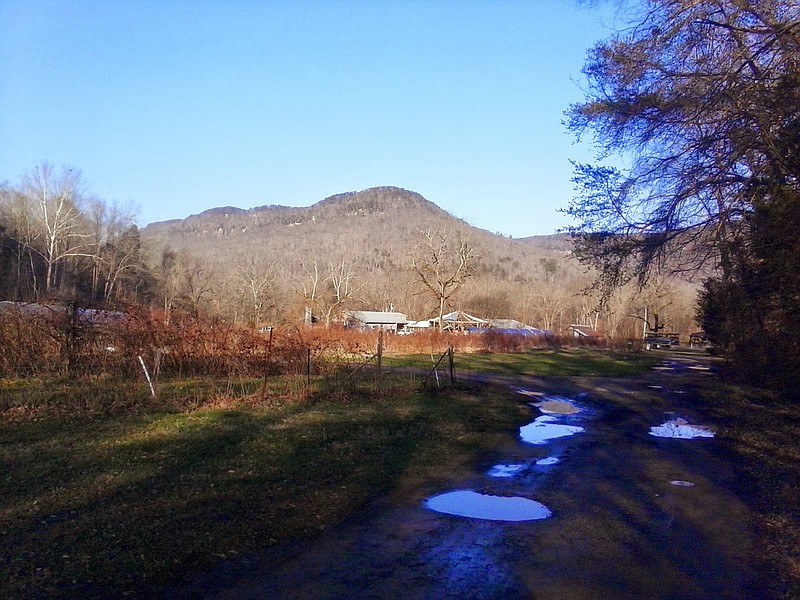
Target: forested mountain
[356,249]
[378,249]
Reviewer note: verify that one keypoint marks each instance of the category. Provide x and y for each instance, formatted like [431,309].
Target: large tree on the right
[698,103]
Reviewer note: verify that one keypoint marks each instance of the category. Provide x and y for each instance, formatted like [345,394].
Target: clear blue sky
[180,106]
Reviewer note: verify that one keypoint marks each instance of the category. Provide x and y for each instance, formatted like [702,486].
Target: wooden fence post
[379,359]
[266,366]
[450,361]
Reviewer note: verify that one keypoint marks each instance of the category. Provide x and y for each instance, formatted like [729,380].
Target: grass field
[105,493]
[561,363]
[104,506]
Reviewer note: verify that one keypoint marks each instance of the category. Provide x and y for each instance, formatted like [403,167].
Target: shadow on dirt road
[619,528]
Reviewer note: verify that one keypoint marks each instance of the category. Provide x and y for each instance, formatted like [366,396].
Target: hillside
[274,261]
[374,230]
[377,219]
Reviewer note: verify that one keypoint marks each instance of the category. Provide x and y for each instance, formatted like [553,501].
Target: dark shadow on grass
[100,509]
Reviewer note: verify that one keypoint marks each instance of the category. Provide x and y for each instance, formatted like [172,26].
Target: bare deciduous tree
[328,292]
[55,208]
[442,264]
[255,279]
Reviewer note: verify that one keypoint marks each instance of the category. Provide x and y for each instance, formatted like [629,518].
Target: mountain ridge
[371,234]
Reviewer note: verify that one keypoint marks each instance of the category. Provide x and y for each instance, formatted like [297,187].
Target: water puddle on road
[544,429]
[512,470]
[556,405]
[466,503]
[530,393]
[505,470]
[681,483]
[681,429]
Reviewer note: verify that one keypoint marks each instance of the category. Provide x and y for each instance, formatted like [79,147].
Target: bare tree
[20,241]
[702,96]
[197,282]
[548,304]
[442,265]
[328,292]
[56,216]
[342,280]
[255,279]
[168,274]
[115,246]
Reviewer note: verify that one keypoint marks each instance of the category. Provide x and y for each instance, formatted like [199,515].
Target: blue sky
[176,106]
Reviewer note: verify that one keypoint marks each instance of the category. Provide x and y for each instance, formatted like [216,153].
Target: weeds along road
[633,516]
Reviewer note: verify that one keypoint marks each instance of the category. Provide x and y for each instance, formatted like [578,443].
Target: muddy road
[632,515]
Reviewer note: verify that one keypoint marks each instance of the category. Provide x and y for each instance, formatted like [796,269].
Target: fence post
[147,375]
[450,362]
[266,366]
[379,359]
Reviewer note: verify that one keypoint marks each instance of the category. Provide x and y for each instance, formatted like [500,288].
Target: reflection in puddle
[681,483]
[530,393]
[556,405]
[466,503]
[550,460]
[543,429]
[680,428]
[505,470]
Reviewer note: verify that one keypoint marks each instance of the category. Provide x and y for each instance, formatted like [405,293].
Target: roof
[509,324]
[373,317]
[425,323]
[462,317]
[585,331]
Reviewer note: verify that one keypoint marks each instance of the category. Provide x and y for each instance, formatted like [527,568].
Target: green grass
[107,505]
[562,363]
[104,492]
[761,429]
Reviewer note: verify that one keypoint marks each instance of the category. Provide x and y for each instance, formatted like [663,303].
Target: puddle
[656,387]
[556,405]
[466,503]
[543,429]
[505,470]
[550,460]
[530,393]
[680,428]
[681,483]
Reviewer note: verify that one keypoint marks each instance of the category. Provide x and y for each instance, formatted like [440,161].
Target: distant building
[461,321]
[365,320]
[585,331]
[514,327]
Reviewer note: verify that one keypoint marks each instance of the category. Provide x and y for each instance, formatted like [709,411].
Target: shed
[585,331]
[370,319]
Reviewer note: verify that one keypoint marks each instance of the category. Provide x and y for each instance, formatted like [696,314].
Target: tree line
[59,242]
[702,100]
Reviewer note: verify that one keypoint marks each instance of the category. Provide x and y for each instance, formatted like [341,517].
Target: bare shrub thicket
[57,342]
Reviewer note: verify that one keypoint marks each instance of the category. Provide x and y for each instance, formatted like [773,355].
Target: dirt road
[619,527]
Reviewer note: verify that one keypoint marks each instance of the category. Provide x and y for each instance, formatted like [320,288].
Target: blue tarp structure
[508,330]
